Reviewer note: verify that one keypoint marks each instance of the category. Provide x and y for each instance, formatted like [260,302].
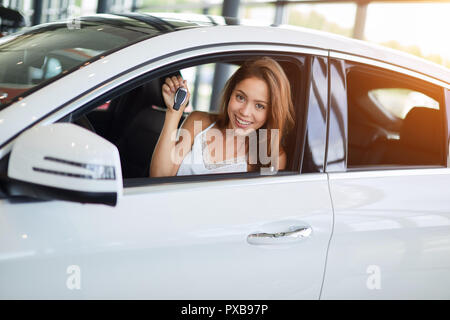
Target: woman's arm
[162,163]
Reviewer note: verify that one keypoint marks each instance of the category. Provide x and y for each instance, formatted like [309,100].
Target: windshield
[40,55]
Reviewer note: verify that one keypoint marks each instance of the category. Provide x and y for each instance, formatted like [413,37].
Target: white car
[362,210]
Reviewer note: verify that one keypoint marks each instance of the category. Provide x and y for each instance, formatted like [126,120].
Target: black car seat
[138,118]
[421,139]
[422,136]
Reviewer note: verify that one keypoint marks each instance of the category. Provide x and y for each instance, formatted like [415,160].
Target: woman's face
[248,105]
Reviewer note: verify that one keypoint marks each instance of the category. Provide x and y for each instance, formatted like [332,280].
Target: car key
[180,98]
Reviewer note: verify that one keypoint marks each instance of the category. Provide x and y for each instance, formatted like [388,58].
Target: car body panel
[170,242]
[375,234]
[391,238]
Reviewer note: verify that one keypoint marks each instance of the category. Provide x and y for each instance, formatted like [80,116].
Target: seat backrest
[142,124]
[138,142]
[124,108]
[421,136]
[421,129]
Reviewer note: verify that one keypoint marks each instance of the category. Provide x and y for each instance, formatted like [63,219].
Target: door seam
[329,240]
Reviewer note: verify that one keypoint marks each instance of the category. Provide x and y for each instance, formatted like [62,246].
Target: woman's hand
[169,88]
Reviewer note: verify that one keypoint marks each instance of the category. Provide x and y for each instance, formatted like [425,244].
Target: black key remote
[180,98]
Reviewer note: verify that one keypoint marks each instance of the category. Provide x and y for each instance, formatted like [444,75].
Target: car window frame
[416,82]
[447,123]
[200,60]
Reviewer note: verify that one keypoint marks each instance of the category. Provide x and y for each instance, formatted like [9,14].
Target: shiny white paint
[392,224]
[26,112]
[68,142]
[174,241]
[166,241]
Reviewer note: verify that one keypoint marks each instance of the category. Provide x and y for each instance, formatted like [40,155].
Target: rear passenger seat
[420,139]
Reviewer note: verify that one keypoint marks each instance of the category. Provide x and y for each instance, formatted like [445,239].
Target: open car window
[133,119]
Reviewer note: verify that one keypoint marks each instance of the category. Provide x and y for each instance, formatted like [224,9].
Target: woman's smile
[241,123]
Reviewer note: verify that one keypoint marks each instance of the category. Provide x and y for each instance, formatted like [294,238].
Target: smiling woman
[247,134]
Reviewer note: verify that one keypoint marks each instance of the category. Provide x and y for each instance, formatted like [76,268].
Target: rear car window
[399,102]
[393,120]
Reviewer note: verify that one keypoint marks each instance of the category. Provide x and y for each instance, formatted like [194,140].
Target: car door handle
[294,234]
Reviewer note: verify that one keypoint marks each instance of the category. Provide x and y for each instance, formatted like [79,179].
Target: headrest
[148,94]
[422,129]
[152,91]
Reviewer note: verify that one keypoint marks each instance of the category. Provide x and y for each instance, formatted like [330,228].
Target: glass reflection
[314,155]
[336,157]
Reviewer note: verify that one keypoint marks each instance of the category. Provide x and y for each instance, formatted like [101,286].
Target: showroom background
[390,23]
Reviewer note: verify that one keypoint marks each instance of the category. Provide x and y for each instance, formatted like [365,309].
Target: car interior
[377,137]
[133,122]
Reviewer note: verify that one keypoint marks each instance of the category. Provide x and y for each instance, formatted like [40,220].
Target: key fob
[180,98]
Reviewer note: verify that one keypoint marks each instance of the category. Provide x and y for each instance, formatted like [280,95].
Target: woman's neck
[233,141]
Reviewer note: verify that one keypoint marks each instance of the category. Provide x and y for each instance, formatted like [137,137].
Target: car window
[393,120]
[398,102]
[314,149]
[133,120]
[201,82]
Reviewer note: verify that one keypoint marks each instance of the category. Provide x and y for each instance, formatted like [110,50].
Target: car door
[391,200]
[183,238]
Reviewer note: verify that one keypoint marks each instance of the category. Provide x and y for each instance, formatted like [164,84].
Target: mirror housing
[63,161]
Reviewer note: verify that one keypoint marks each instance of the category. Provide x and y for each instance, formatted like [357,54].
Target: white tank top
[198,161]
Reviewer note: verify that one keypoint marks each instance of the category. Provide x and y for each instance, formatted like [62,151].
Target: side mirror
[63,161]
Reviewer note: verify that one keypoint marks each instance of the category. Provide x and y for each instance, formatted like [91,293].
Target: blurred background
[416,27]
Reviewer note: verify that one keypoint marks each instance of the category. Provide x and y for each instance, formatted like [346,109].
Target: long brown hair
[281,109]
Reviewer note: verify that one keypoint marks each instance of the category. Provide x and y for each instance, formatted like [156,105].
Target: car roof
[311,38]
